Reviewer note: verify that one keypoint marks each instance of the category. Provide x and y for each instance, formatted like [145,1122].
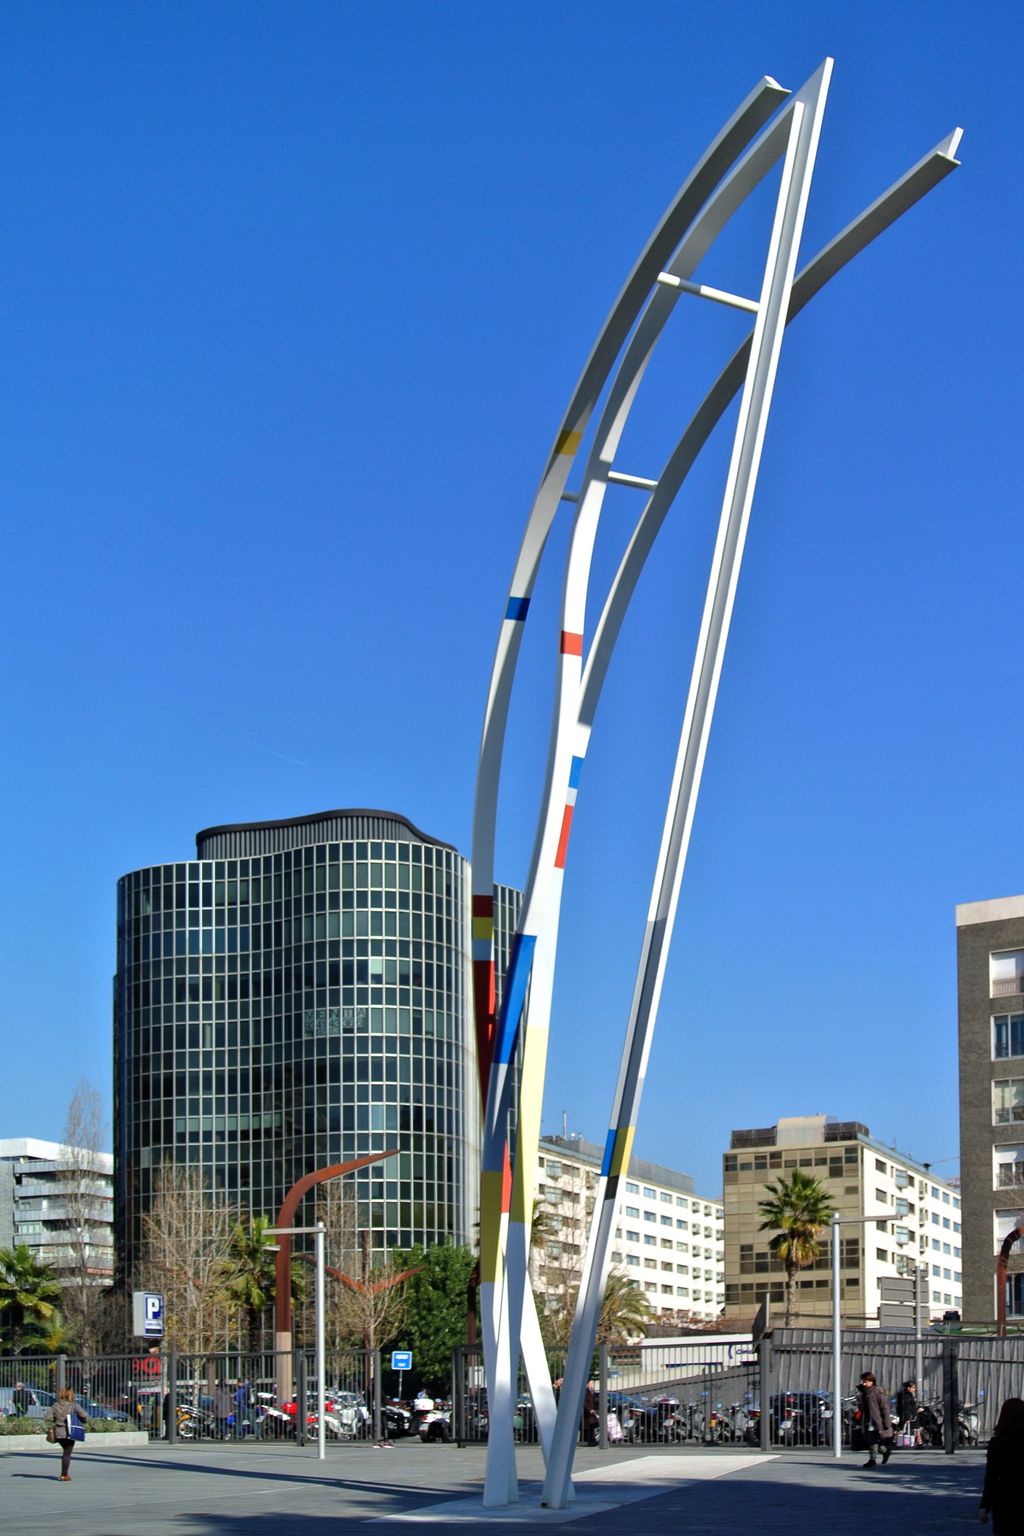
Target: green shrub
[22,1427]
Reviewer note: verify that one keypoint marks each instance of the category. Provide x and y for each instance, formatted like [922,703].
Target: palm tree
[625,1311]
[798,1211]
[249,1274]
[28,1293]
[53,1337]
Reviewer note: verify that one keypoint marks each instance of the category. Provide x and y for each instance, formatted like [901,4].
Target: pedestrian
[906,1411]
[591,1404]
[244,1410]
[875,1418]
[68,1421]
[223,1409]
[21,1399]
[1000,1497]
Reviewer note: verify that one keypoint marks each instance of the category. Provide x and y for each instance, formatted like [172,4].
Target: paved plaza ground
[280,1490]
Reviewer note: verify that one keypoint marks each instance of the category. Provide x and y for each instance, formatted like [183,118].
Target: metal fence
[231,1396]
[961,1383]
[704,1390]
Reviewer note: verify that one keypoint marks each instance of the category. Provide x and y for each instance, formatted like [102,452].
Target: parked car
[39,1401]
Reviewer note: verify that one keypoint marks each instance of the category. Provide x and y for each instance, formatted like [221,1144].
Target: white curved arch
[578,691]
[730,142]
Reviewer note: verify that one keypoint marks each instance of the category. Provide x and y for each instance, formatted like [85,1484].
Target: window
[1008,1166]
[634,1211]
[649,1193]
[1005,1222]
[681,1202]
[632,1237]
[666,1198]
[632,1189]
[1005,970]
[650,1241]
[666,1221]
[632,1258]
[650,1215]
[682,1224]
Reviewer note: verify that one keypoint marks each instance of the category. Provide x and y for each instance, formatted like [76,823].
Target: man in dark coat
[875,1418]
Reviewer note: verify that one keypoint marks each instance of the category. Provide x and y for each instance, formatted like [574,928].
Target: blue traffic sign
[401,1359]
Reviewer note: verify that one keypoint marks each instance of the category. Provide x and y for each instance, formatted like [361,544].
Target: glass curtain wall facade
[297,995]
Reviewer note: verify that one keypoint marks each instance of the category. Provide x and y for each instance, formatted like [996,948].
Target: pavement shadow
[440,1490]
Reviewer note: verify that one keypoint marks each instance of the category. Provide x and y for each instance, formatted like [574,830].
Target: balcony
[1010,1176]
[1007,986]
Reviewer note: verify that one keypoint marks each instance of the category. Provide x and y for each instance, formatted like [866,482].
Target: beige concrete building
[920,1224]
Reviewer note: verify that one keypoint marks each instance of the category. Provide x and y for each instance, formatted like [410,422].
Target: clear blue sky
[291,300]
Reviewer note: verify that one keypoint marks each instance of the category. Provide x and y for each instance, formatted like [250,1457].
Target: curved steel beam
[289,1205]
[689,762]
[717,159]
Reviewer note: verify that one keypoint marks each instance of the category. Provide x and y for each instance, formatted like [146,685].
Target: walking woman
[1000,1496]
[64,1414]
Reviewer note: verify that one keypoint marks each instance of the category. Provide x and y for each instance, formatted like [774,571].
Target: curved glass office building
[299,994]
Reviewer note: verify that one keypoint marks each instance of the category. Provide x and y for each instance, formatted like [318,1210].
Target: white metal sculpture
[755,139]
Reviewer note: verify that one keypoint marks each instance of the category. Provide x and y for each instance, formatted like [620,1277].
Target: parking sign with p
[147,1315]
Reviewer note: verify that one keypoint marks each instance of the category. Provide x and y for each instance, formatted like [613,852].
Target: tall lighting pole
[319,1229]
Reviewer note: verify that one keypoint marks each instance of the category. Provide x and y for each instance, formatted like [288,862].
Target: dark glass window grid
[279,1012]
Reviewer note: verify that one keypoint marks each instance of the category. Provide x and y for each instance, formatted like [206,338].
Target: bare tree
[366,1303]
[83,1194]
[187,1253]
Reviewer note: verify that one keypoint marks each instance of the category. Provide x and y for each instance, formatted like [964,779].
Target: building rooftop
[819,1130]
[994,911]
[31,1149]
[590,1152]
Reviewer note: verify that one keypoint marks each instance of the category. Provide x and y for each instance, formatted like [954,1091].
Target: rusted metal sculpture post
[283,1266]
[1002,1265]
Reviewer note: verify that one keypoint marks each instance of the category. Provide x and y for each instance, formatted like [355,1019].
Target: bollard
[303,1396]
[602,1397]
[377,1398]
[764,1386]
[950,1393]
[171,1363]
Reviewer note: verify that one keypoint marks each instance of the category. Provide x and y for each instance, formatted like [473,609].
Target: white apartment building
[58,1202]
[667,1238]
[919,1223]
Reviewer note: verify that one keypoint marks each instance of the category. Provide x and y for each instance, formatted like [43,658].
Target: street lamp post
[837,1334]
[319,1229]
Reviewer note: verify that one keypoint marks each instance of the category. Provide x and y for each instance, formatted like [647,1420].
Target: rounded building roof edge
[302,821]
